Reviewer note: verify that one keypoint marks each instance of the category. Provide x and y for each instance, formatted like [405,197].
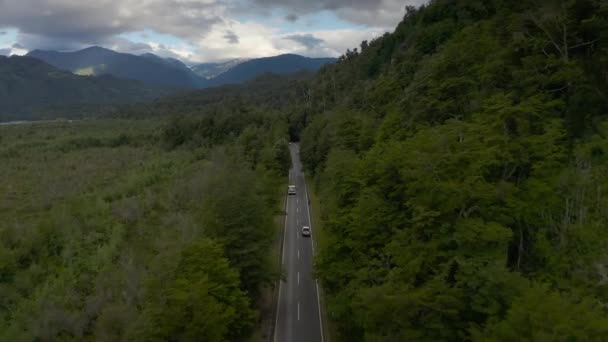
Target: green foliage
[198,299]
[235,216]
[460,163]
[108,234]
[542,315]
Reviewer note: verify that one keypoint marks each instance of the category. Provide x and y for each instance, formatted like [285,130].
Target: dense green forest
[137,230]
[154,224]
[462,166]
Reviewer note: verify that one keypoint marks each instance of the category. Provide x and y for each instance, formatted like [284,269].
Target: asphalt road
[298,314]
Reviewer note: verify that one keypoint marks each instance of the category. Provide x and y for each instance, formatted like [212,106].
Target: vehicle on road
[291,190]
[306,231]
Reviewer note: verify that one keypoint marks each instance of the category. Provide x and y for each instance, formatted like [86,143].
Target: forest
[461,166]
[133,230]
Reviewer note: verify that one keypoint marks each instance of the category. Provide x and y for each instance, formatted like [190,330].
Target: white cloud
[254,41]
[332,43]
[170,51]
[15,50]
[374,13]
[257,40]
[92,22]
[204,30]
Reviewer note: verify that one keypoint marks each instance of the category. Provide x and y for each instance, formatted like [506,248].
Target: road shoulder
[321,242]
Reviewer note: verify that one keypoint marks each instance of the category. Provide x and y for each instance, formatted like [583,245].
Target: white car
[291,190]
[306,231]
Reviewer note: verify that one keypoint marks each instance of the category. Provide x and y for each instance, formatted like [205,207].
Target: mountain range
[281,65]
[28,85]
[45,84]
[147,68]
[211,70]
[155,70]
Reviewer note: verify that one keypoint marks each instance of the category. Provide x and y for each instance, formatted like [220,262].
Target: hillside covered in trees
[461,164]
[147,68]
[28,87]
[462,167]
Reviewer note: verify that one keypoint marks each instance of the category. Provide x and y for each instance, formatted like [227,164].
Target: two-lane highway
[298,313]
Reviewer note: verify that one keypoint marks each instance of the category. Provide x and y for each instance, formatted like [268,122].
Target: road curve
[298,312]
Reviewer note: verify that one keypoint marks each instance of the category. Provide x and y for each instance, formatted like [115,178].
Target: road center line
[298,278]
[298,311]
[313,253]
[298,254]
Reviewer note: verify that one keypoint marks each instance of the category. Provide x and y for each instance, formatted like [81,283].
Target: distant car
[306,231]
[291,190]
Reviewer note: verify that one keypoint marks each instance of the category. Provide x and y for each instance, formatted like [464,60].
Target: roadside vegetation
[461,164]
[136,230]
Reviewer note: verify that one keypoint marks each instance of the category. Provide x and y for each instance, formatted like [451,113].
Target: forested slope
[462,166]
[28,87]
[148,68]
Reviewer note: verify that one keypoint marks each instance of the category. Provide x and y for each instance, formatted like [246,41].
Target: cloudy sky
[197,30]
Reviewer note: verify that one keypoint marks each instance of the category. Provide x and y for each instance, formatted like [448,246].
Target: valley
[444,181]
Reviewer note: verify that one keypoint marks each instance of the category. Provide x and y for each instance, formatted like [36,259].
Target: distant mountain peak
[213,69]
[289,55]
[97,48]
[147,68]
[281,64]
[29,86]
[153,69]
